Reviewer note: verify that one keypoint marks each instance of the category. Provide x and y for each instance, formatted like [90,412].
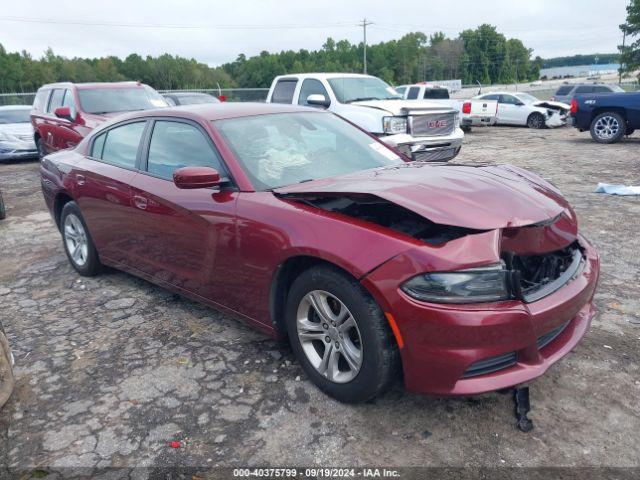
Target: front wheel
[3,211]
[340,336]
[77,242]
[536,120]
[608,127]
[40,147]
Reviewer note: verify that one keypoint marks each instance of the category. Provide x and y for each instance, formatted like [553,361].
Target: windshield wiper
[361,99]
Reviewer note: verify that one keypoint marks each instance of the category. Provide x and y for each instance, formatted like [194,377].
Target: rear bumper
[478,121]
[446,347]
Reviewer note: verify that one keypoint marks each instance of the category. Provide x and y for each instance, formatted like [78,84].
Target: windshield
[285,148]
[108,100]
[527,98]
[15,116]
[354,89]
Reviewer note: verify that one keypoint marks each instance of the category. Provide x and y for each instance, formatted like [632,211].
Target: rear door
[51,129]
[283,90]
[103,189]
[186,237]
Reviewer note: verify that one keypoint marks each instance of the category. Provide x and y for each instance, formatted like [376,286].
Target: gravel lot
[111,369]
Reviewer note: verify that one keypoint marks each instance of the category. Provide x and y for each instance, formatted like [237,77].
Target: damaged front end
[557,113]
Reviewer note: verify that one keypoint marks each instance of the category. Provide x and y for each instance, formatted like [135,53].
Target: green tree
[630,52]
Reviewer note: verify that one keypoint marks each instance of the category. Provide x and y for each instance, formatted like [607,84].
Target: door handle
[80,179]
[140,202]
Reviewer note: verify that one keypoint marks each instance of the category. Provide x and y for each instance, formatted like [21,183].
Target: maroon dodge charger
[461,278]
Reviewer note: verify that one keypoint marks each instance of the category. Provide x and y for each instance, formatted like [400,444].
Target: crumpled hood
[551,104]
[399,107]
[478,197]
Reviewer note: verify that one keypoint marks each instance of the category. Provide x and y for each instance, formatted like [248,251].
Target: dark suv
[566,92]
[64,113]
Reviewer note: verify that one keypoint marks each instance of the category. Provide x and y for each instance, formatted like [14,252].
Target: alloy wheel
[607,127]
[329,336]
[75,239]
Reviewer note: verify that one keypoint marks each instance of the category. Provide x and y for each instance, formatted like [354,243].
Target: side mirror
[196,177]
[64,112]
[519,104]
[318,100]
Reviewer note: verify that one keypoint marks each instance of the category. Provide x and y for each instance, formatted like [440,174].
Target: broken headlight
[394,125]
[484,284]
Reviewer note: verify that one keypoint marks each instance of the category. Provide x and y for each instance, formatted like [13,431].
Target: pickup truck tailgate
[484,108]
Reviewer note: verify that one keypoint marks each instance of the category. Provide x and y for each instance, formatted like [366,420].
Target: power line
[176,26]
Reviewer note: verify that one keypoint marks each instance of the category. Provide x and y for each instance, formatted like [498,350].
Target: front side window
[175,145]
[283,91]
[526,97]
[509,100]
[601,89]
[109,100]
[355,89]
[121,145]
[286,148]
[311,86]
[413,93]
[68,100]
[56,100]
[401,90]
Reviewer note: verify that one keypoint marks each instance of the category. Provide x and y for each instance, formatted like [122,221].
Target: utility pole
[364,31]
[517,62]
[624,38]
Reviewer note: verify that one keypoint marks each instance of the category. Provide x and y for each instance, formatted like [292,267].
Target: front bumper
[437,148]
[443,344]
[10,152]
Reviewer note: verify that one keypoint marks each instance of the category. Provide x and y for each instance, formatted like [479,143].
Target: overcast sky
[215,32]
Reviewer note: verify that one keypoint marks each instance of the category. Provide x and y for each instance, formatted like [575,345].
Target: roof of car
[93,85]
[186,94]
[325,76]
[218,111]
[15,107]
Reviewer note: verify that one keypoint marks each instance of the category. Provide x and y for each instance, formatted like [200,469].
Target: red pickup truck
[64,113]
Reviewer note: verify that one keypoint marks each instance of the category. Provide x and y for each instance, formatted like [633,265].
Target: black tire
[40,147]
[380,360]
[3,211]
[536,120]
[608,127]
[630,131]
[465,128]
[89,265]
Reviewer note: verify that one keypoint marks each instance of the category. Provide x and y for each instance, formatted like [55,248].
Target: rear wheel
[340,336]
[40,147]
[608,127]
[77,242]
[535,120]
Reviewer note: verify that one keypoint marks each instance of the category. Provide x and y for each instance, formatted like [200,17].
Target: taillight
[222,98]
[466,107]
[574,106]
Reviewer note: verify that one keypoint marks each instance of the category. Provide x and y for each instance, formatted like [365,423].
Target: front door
[510,110]
[185,237]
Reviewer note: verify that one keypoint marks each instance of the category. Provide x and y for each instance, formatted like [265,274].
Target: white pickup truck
[421,130]
[474,113]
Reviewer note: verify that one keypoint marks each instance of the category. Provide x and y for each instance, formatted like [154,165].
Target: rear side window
[492,96]
[283,91]
[40,102]
[98,146]
[311,86]
[175,145]
[584,89]
[436,93]
[564,90]
[121,145]
[56,99]
[413,93]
